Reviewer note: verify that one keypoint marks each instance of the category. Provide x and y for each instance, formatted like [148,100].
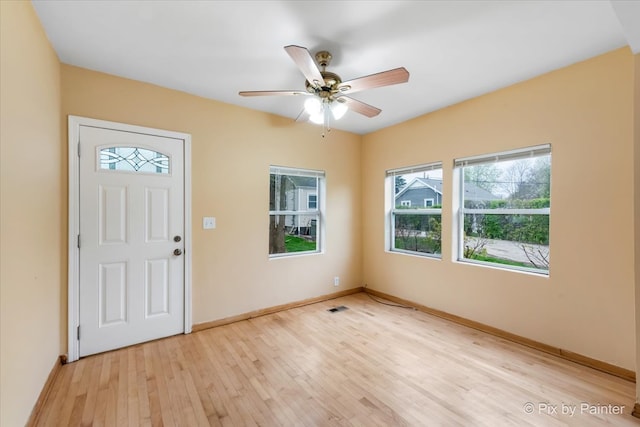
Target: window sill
[504,267]
[437,257]
[288,255]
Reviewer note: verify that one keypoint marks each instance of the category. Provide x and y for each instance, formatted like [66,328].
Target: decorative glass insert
[133,159]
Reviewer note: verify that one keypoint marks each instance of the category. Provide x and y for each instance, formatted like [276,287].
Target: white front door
[131,238]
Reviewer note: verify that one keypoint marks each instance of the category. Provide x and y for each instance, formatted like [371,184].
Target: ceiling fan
[327,93]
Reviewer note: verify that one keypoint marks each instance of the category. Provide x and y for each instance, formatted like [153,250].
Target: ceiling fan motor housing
[330,87]
[331,80]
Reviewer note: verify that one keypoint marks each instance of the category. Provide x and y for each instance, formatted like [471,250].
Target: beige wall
[636,198]
[586,305]
[32,272]
[232,149]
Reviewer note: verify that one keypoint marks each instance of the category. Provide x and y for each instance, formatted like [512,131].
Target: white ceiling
[454,50]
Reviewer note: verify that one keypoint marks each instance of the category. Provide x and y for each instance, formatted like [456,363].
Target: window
[133,159]
[312,201]
[504,208]
[295,211]
[415,209]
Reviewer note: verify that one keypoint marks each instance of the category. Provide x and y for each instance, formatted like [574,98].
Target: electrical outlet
[336,281]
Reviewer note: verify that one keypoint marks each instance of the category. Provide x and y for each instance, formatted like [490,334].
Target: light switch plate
[208,222]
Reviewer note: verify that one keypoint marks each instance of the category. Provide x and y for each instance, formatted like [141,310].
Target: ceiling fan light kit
[317,109]
[328,94]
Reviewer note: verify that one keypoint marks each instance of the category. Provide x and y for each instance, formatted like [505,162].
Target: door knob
[177,252]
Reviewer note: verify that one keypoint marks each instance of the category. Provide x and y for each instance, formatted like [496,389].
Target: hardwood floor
[370,365]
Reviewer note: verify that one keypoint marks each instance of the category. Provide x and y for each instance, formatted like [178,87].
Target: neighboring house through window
[415,209]
[503,207]
[312,201]
[295,210]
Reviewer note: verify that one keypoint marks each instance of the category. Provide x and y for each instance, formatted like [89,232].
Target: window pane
[519,240]
[511,182]
[292,233]
[418,233]
[418,191]
[133,159]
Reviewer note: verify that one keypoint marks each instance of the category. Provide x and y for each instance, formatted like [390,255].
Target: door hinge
[78,149]
[78,333]
[78,241]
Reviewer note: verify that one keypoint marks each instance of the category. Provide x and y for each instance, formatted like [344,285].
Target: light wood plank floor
[371,365]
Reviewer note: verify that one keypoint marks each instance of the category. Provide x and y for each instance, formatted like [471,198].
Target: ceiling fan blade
[303,116]
[306,64]
[272,92]
[359,106]
[384,78]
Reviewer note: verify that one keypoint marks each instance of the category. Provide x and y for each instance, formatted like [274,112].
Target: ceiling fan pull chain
[326,126]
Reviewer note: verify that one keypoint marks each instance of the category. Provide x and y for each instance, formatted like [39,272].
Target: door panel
[113,215]
[131,205]
[157,287]
[157,215]
[112,293]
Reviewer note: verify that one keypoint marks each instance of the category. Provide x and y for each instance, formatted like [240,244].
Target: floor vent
[338,308]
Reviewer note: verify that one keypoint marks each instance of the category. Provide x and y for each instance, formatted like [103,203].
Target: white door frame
[74,123]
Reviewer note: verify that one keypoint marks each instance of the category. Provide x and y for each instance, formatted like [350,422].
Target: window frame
[318,212]
[460,210]
[406,208]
